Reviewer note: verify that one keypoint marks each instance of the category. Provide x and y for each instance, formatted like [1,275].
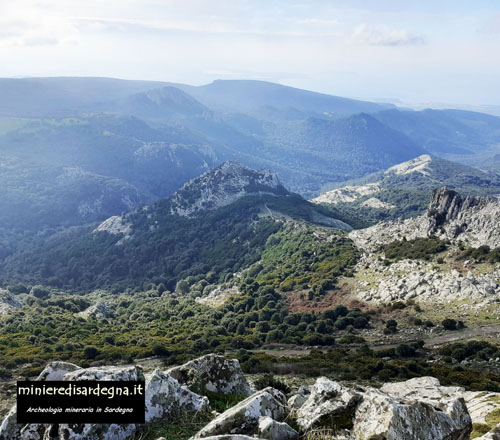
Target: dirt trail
[430,341]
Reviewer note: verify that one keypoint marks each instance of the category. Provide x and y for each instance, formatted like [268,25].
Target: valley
[146,225]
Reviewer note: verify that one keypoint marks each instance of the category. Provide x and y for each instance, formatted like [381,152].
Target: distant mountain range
[135,142]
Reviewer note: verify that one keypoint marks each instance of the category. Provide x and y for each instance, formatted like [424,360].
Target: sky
[440,51]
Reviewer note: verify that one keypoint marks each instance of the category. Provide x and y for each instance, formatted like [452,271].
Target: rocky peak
[450,216]
[223,186]
[446,204]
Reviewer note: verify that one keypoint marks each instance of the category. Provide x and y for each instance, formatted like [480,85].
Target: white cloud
[384,36]
[34,27]
[127,25]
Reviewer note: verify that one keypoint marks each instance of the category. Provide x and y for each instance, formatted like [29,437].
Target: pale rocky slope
[468,220]
[7,302]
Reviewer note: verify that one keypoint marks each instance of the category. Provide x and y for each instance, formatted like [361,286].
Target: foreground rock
[383,416]
[165,399]
[57,370]
[213,373]
[243,418]
[329,404]
[270,429]
[416,409]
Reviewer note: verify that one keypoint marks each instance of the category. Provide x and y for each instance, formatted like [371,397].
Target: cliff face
[448,206]
[450,215]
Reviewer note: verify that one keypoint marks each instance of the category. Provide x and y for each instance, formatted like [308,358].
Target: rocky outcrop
[223,186]
[423,281]
[165,398]
[329,404]
[472,220]
[218,296]
[100,310]
[381,415]
[416,409]
[8,302]
[447,205]
[213,373]
[244,417]
[115,225]
[347,194]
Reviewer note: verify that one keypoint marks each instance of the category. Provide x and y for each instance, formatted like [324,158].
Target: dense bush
[418,248]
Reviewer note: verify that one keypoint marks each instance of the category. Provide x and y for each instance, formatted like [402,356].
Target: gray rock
[243,418]
[416,409]
[213,373]
[223,186]
[330,404]
[56,370]
[296,401]
[382,416]
[9,428]
[165,398]
[270,429]
[106,373]
[8,302]
[100,310]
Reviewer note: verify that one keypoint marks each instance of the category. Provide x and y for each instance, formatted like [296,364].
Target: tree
[404,350]
[91,352]
[449,324]
[39,292]
[159,350]
[182,286]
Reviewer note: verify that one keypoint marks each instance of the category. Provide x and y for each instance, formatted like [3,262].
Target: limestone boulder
[270,429]
[243,418]
[329,405]
[106,373]
[213,373]
[383,416]
[57,370]
[299,397]
[165,398]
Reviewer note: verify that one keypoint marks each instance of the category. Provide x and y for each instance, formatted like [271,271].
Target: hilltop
[404,190]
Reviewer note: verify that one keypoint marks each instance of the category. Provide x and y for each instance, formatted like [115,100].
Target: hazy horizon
[398,51]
